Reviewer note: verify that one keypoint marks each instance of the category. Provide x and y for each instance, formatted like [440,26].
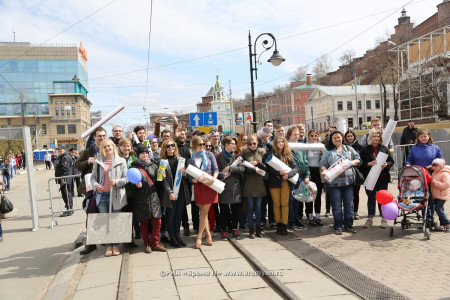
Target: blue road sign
[51,144]
[196,119]
[209,118]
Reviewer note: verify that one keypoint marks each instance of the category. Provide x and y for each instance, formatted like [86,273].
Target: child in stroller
[415,191]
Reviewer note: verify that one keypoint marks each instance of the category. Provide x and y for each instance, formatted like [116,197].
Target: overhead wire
[148,51]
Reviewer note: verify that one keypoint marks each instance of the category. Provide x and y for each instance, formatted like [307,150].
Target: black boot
[284,231]
[279,228]
[258,231]
[179,240]
[88,249]
[174,242]
[251,233]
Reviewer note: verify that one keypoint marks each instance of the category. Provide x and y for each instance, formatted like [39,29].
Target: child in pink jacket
[440,190]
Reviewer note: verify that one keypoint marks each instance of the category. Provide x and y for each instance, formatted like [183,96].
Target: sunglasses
[208,146]
[170,145]
[313,135]
[252,144]
[202,144]
[153,143]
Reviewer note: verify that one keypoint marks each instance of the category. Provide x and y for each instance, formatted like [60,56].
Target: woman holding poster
[204,196]
[369,156]
[176,191]
[341,158]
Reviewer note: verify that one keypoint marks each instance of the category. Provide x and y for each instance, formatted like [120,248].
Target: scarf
[201,154]
[227,155]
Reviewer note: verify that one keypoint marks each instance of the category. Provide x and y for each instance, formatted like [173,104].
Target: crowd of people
[256,196]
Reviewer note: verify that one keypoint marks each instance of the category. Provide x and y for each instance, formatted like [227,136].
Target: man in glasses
[117,135]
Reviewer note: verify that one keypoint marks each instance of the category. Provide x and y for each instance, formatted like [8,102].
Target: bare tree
[322,67]
[347,59]
[298,74]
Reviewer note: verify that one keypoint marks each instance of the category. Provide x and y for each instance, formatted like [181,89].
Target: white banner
[119,229]
[87,180]
[337,169]
[278,165]
[387,133]
[375,171]
[218,185]
[178,176]
[306,147]
[342,125]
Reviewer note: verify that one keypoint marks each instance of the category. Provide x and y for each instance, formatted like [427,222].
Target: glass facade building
[28,74]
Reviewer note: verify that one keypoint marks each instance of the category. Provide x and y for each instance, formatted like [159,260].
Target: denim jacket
[329,157]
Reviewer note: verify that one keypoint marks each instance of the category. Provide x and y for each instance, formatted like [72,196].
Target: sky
[192,41]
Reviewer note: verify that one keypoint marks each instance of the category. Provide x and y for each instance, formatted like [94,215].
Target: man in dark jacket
[74,155]
[64,167]
[117,135]
[408,137]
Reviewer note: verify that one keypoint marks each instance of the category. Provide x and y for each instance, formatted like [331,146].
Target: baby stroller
[419,212]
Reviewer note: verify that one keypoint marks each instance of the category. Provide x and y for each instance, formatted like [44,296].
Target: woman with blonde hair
[112,178]
[278,183]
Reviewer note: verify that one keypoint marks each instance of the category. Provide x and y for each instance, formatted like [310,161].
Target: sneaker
[312,222]
[273,225]
[338,231]
[251,233]
[224,235]
[291,227]
[383,223]
[187,232]
[368,223]
[327,214]
[440,228]
[355,216]
[319,222]
[300,225]
[235,233]
[350,229]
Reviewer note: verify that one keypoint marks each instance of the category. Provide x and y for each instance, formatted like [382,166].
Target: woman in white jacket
[109,177]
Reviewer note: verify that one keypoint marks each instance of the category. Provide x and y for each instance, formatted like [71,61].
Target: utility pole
[232,110]
[356,98]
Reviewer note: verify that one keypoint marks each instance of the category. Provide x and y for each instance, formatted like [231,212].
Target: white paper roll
[103,121]
[178,176]
[136,139]
[237,161]
[387,133]
[218,185]
[162,114]
[375,171]
[249,165]
[87,180]
[342,125]
[278,165]
[307,147]
[337,169]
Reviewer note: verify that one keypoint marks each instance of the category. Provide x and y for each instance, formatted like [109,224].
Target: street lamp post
[276,59]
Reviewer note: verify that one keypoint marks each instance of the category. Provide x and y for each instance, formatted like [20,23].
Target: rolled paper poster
[306,147]
[103,121]
[337,169]
[250,166]
[278,165]
[87,180]
[236,162]
[375,171]
[218,185]
[178,176]
[162,114]
[342,125]
[387,133]
[136,139]
[162,168]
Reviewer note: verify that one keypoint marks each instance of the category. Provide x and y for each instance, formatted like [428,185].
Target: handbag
[358,178]
[6,206]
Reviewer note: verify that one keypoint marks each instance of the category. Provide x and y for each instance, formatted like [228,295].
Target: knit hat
[439,161]
[142,149]
[264,132]
[416,184]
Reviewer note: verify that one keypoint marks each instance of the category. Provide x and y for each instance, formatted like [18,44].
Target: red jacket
[441,189]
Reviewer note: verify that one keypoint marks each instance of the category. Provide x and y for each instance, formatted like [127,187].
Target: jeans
[174,214]
[11,171]
[103,208]
[294,204]
[267,207]
[371,201]
[439,207]
[7,181]
[342,195]
[254,203]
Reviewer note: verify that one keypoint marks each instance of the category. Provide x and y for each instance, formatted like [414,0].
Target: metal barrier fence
[401,150]
[75,206]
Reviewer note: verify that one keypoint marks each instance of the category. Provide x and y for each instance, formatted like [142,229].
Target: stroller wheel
[391,232]
[427,233]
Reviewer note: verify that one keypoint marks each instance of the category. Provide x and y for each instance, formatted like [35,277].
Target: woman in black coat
[350,140]
[368,156]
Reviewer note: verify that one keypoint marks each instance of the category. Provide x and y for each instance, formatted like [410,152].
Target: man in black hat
[64,167]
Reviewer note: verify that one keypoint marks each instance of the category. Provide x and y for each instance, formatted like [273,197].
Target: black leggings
[229,216]
[315,177]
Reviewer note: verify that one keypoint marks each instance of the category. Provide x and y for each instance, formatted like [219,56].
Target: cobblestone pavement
[406,262]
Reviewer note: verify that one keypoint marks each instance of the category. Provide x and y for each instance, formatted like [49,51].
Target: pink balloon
[390,211]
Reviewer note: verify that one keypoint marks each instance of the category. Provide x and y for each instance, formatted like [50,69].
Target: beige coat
[117,172]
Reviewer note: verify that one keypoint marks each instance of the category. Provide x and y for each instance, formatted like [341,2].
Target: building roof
[210,93]
[306,87]
[349,90]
